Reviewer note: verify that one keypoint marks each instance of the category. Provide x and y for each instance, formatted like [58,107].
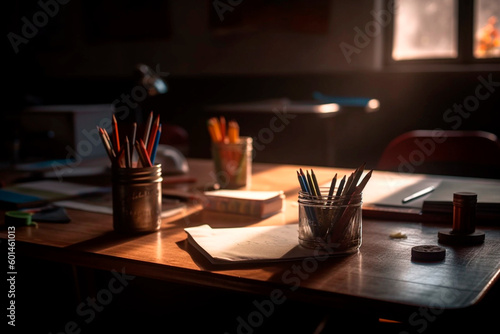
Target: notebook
[246,202]
[488,197]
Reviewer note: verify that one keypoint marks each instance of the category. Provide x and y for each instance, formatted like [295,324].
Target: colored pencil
[312,188]
[147,128]
[332,188]
[152,135]
[233,132]
[134,135]
[116,136]
[107,144]
[155,147]
[363,182]
[341,187]
[302,185]
[143,155]
[214,130]
[128,158]
[223,132]
[315,184]
[304,180]
[120,160]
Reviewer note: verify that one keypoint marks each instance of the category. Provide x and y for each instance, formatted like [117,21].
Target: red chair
[444,152]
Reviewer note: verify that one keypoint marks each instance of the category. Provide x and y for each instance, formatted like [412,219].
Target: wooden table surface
[380,276]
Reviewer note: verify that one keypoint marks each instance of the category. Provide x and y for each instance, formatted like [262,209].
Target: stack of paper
[246,202]
[248,244]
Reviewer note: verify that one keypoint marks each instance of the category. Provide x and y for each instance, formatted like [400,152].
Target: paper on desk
[248,244]
[51,188]
[389,189]
[102,203]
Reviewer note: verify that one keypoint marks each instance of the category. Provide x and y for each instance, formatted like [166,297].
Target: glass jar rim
[325,200]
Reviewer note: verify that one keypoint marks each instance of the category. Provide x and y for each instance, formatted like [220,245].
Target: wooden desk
[380,279]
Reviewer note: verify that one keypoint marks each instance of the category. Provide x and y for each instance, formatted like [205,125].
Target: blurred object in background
[488,41]
[151,81]
[63,131]
[486,31]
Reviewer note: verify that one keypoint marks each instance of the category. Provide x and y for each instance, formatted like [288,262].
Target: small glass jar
[332,224]
[137,199]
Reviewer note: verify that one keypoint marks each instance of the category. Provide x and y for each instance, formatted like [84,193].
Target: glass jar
[332,224]
[233,163]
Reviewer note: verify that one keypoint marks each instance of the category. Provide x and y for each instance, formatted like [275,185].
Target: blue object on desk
[10,197]
[346,101]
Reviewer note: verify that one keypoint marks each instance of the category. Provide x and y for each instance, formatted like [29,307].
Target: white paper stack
[249,244]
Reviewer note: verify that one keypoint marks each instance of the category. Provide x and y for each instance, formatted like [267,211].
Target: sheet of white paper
[248,244]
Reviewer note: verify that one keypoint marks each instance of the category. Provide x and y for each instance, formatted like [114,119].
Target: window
[425,29]
[487,31]
[460,31]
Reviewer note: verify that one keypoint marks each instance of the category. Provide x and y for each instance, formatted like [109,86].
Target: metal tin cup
[233,163]
[332,224]
[137,199]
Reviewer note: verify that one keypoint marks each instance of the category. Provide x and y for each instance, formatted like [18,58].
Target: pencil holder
[233,163]
[137,199]
[332,224]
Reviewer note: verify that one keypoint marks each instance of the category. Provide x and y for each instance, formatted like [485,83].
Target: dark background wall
[87,51]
